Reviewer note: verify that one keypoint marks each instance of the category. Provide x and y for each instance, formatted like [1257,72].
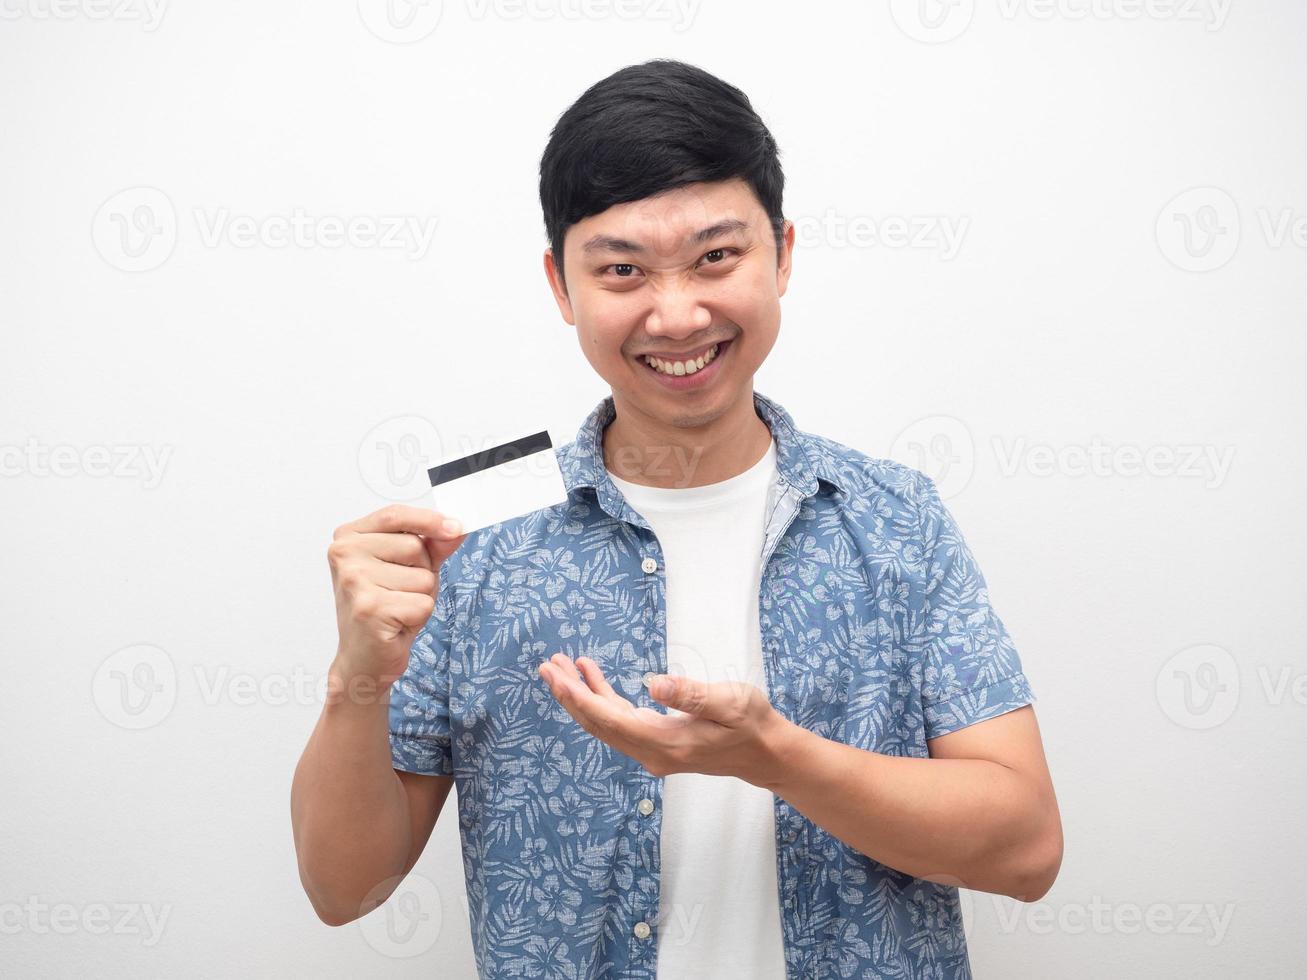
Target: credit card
[505,481]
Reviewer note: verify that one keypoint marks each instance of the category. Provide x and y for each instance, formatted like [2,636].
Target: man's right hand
[385,569]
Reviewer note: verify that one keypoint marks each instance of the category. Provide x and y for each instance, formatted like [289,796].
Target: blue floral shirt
[877,631]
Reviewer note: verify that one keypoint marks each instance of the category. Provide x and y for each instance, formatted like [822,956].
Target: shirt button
[646,807]
[649,565]
[641,930]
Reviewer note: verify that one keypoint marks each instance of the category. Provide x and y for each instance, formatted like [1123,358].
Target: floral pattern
[877,632]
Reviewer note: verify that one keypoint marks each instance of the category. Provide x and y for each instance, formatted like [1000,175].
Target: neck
[641,449]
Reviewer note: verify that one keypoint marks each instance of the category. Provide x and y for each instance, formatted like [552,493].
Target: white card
[507,480]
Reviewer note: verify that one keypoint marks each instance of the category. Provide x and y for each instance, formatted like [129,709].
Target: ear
[785,260]
[559,287]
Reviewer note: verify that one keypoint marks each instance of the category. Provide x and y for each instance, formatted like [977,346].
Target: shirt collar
[800,460]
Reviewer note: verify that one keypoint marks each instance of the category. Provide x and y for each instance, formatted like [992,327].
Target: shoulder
[894,510]
[862,476]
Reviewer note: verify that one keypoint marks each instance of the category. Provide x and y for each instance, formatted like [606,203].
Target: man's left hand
[726,729]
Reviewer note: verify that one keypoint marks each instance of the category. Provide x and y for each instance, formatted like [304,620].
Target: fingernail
[451,526]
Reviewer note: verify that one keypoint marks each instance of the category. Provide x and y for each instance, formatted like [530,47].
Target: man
[845,733]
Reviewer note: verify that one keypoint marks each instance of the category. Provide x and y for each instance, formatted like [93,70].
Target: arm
[979,813]
[359,824]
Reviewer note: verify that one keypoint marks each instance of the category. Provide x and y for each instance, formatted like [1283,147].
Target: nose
[677,312]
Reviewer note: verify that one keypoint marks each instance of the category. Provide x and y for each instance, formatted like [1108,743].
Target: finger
[408,609]
[563,688]
[594,676]
[564,663]
[589,678]
[599,720]
[645,729]
[561,675]
[402,578]
[397,518]
[400,549]
[438,549]
[597,715]
[694,697]
[554,677]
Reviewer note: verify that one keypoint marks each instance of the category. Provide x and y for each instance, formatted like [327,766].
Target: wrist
[347,685]
[780,744]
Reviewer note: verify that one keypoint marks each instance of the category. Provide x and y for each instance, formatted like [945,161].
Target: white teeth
[681,368]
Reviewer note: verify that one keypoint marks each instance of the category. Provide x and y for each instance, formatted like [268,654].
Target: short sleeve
[419,699]
[971,670]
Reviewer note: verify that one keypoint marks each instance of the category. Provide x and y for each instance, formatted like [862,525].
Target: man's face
[687,274]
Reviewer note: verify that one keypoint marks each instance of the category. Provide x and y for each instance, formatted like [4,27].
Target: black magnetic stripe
[487,458]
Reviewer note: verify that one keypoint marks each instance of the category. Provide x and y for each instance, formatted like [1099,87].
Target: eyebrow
[606,243]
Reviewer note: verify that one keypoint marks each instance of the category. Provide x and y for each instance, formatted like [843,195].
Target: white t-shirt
[719,913]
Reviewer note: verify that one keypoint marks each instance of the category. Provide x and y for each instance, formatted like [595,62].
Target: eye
[623,270]
[718,255]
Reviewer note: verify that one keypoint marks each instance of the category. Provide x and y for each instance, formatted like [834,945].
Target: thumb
[438,549]
[680,692]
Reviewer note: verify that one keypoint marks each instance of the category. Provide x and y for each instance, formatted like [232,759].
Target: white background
[1075,315]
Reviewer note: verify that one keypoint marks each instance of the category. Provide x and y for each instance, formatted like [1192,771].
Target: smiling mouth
[680,368]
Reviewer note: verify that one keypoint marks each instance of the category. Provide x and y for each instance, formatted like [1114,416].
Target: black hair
[650,128]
